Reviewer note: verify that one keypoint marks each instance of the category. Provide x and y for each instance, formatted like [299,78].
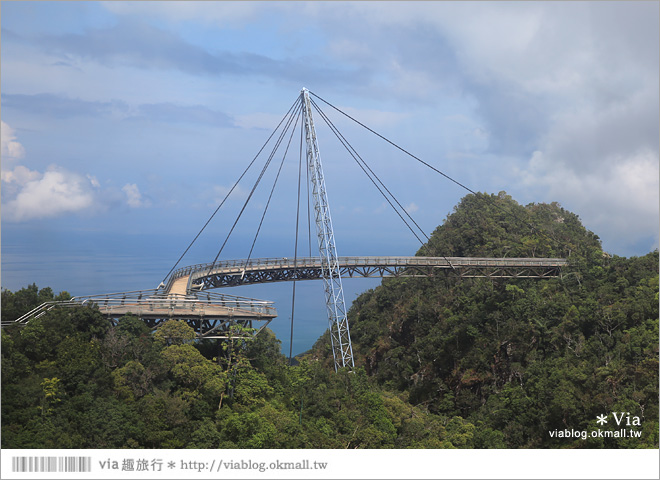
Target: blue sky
[125,123]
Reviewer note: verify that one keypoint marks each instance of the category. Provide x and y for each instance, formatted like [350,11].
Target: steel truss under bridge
[211,315]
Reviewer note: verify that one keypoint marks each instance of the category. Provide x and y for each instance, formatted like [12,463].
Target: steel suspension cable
[263,171]
[499,207]
[395,145]
[231,190]
[295,248]
[362,162]
[346,145]
[263,216]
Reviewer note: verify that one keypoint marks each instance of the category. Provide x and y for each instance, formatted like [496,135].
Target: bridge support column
[342,349]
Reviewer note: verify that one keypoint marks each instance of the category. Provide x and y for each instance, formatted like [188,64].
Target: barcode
[51,464]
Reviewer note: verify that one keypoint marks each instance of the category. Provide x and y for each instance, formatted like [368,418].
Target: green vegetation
[441,363]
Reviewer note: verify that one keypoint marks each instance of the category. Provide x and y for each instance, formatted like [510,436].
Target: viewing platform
[210,314]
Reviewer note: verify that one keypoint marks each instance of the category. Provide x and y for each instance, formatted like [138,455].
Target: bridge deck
[179,286]
[240,272]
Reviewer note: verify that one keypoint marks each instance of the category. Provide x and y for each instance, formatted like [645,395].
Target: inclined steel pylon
[342,350]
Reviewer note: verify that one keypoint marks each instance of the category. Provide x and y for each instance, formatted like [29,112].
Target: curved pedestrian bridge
[230,273]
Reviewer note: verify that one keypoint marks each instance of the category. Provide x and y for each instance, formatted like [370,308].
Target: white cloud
[95,183]
[56,192]
[31,195]
[411,208]
[11,149]
[20,175]
[220,193]
[133,196]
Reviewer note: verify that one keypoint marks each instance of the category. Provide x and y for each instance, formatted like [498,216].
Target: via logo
[620,418]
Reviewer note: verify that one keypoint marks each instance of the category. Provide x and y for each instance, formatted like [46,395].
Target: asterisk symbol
[601,419]
[171,465]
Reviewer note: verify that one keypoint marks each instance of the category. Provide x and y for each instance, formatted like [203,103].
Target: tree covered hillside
[71,380]
[519,356]
[440,362]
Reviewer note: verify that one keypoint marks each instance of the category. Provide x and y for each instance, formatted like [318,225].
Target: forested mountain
[523,356]
[440,362]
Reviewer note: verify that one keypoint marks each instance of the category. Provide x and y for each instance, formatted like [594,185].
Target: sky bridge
[233,273]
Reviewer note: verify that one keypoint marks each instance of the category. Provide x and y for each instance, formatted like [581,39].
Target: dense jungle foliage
[440,362]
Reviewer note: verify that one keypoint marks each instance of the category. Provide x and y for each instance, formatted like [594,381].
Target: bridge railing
[42,310]
[239,264]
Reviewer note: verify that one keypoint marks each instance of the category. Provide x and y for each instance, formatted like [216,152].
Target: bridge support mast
[342,350]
